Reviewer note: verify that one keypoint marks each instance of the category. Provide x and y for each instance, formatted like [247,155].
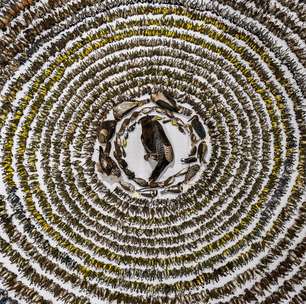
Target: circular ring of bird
[163,115]
[238,236]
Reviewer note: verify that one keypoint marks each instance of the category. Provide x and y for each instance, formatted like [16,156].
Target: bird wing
[145,144]
[149,137]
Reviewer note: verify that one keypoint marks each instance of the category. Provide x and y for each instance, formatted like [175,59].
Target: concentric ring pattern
[236,236]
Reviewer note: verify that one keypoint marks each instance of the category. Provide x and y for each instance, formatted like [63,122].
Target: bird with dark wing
[108,165]
[156,145]
[202,151]
[198,127]
[165,101]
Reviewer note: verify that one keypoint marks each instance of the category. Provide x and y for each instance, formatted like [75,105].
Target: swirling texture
[236,236]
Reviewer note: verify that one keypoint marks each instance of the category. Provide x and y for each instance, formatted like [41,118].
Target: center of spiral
[152,147]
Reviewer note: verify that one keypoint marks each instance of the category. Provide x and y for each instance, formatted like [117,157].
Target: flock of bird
[157,145]
[228,75]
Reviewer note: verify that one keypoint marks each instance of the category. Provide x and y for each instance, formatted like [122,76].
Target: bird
[156,145]
[149,193]
[165,101]
[173,189]
[189,160]
[197,126]
[191,172]
[106,130]
[202,151]
[108,165]
[125,107]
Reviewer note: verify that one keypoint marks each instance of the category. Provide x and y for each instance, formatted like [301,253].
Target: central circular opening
[150,148]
